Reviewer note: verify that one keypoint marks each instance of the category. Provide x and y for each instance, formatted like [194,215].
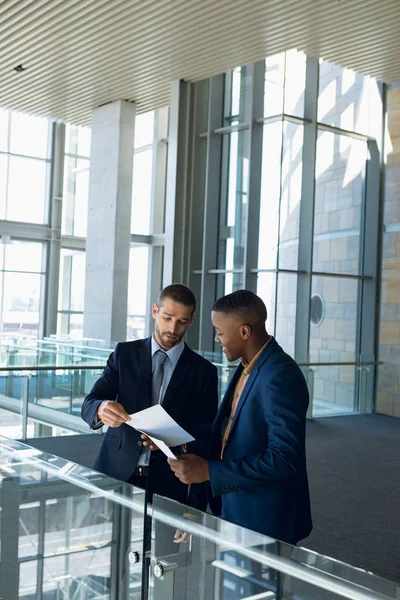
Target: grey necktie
[158,375]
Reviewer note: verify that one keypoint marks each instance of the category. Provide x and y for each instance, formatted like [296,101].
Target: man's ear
[245,331]
[154,310]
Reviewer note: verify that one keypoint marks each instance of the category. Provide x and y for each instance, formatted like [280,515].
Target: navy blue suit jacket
[191,398]
[261,482]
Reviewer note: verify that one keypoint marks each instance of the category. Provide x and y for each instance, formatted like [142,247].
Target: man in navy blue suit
[257,460]
[160,369]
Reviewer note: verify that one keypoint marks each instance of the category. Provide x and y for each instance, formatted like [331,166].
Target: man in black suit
[160,369]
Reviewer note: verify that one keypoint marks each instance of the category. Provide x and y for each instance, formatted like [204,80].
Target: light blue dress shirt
[173,355]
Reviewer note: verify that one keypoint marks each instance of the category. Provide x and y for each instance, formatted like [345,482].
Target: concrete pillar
[109,221]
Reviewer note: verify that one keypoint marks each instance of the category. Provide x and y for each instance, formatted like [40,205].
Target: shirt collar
[249,366]
[173,354]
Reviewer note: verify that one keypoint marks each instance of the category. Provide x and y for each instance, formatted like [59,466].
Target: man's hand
[112,413]
[148,442]
[190,468]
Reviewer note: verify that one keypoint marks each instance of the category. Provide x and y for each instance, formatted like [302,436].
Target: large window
[21,284]
[24,167]
[71,293]
[296,174]
[142,181]
[76,181]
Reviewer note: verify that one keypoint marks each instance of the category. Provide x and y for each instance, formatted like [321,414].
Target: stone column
[109,221]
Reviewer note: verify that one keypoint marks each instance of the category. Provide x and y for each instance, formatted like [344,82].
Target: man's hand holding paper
[160,430]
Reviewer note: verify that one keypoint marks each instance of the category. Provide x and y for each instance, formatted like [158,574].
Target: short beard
[167,344]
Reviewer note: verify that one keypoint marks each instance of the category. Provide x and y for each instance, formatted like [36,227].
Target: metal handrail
[216,364]
[308,574]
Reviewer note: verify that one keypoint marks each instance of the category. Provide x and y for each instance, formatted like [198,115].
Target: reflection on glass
[69,542]
[292,165]
[228,562]
[273,86]
[339,195]
[295,83]
[237,96]
[286,311]
[137,291]
[266,289]
[280,185]
[333,339]
[347,99]
[142,183]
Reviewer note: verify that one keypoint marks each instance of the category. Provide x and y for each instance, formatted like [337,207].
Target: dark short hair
[245,303]
[178,293]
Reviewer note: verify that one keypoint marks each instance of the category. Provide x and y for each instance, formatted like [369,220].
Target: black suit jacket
[191,399]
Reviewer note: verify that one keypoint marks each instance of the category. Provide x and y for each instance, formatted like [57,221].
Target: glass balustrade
[68,532]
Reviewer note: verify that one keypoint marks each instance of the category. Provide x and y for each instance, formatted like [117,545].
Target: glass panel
[26,189]
[76,326]
[29,530]
[266,289]
[28,135]
[339,196]
[270,196]
[237,96]
[3,184]
[79,527]
[142,191]
[77,140]
[137,291]
[222,560]
[10,423]
[21,296]
[78,281]
[333,338]
[84,140]
[144,129]
[81,197]
[23,256]
[28,580]
[345,98]
[295,83]
[292,165]
[286,311]
[4,124]
[273,87]
[234,201]
[280,185]
[75,196]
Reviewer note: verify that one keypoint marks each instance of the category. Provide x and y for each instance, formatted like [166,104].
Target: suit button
[139,443]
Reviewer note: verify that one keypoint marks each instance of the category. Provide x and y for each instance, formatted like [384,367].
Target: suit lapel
[178,376]
[145,366]
[250,382]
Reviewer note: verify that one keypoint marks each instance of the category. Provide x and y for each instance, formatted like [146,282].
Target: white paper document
[161,428]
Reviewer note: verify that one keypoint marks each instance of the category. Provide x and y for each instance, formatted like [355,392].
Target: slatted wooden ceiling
[78,54]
